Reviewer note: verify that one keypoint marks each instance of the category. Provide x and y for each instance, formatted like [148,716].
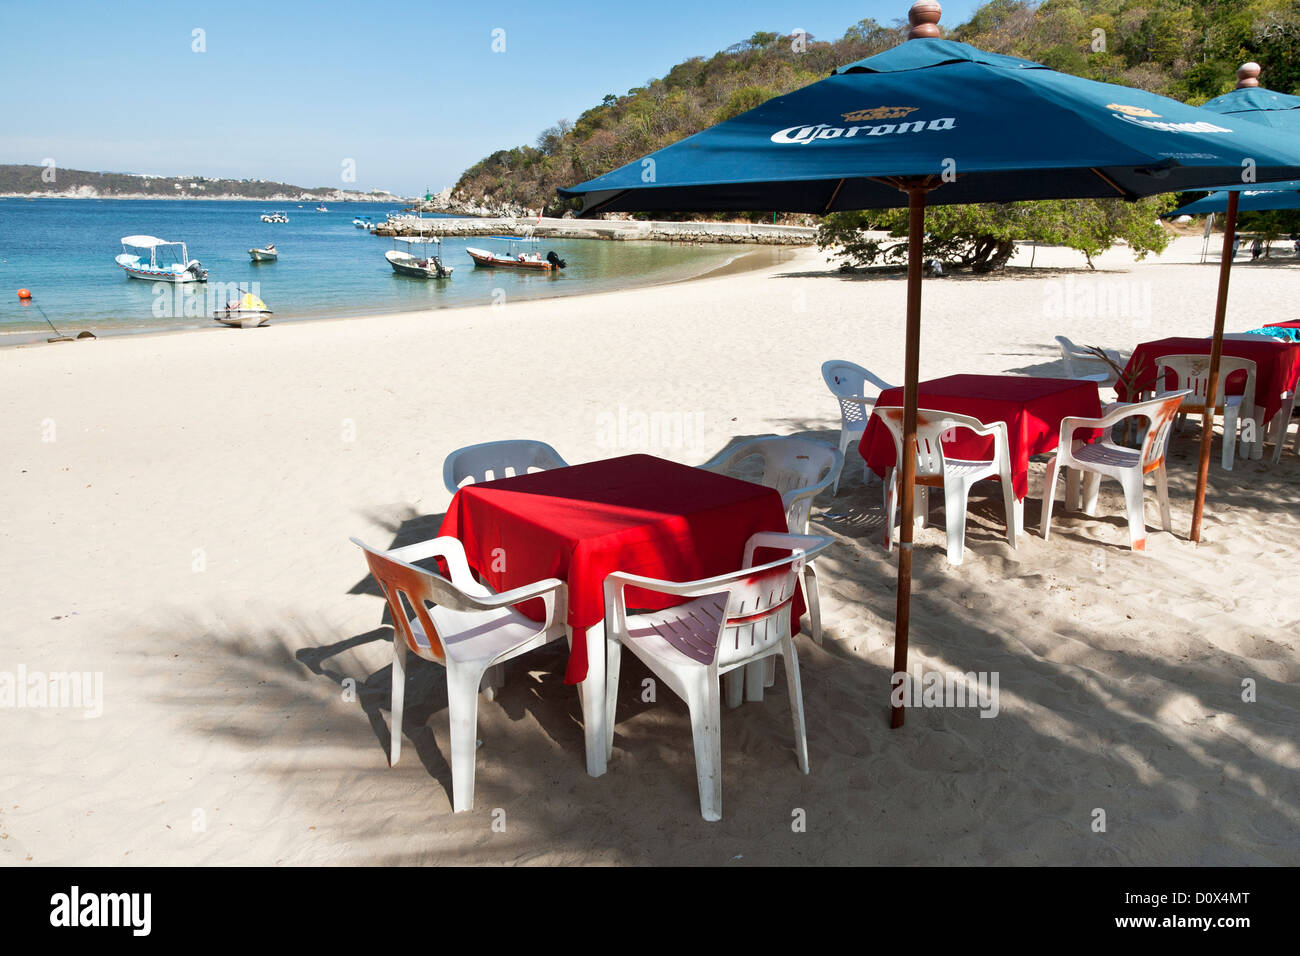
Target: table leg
[1072,499]
[1257,446]
[591,694]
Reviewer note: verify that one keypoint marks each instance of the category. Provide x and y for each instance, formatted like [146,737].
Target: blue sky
[289,90]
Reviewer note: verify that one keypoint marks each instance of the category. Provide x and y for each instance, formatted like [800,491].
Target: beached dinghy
[516,259]
[420,267]
[246,312]
[269,254]
[148,257]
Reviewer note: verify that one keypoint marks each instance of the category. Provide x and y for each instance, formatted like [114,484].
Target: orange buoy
[24,294]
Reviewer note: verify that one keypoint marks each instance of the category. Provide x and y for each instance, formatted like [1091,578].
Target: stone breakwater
[618,230]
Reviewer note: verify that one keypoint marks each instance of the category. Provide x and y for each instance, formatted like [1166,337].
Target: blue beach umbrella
[1279,115]
[941,122]
[1279,196]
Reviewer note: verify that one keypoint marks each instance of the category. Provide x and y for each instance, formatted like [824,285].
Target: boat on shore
[246,312]
[269,254]
[159,260]
[407,263]
[513,259]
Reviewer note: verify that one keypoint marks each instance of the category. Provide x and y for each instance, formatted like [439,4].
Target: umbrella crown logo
[1132,110]
[879,112]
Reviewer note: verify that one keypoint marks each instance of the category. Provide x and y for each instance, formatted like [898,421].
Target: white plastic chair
[1082,364]
[1193,372]
[733,620]
[800,469]
[1128,466]
[955,476]
[498,459]
[462,625]
[849,383]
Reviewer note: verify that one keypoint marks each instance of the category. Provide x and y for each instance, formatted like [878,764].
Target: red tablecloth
[638,513]
[1293,324]
[1031,407]
[1277,364]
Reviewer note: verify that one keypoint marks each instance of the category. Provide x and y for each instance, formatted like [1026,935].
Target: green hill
[1187,49]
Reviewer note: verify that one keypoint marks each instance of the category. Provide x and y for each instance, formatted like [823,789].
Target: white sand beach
[177,514]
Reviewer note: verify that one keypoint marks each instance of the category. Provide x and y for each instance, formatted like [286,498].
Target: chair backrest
[757,612]
[1081,362]
[790,463]
[417,588]
[1193,372]
[848,380]
[498,459]
[1161,413]
[933,427]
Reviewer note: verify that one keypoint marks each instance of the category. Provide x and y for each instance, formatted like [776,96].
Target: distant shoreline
[221,198]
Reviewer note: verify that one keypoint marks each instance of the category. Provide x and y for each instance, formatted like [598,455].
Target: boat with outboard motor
[407,263]
[513,259]
[159,260]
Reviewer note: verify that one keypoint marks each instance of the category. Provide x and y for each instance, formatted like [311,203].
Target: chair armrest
[444,546]
[808,491]
[552,591]
[809,544]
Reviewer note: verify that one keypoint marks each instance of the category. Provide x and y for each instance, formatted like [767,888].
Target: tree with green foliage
[983,236]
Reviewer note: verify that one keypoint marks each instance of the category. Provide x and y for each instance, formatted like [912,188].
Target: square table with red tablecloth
[1032,409]
[1277,364]
[637,513]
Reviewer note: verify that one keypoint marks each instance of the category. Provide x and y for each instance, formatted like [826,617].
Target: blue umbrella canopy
[986,127]
[1282,196]
[1251,102]
[942,122]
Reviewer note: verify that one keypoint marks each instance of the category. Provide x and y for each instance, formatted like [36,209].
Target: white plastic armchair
[800,469]
[851,384]
[1083,364]
[1193,372]
[462,625]
[498,459]
[1128,466]
[954,475]
[732,621]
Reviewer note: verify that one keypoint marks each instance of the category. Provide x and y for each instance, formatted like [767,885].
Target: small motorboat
[420,267]
[275,217]
[157,260]
[269,254]
[515,259]
[321,208]
[246,312]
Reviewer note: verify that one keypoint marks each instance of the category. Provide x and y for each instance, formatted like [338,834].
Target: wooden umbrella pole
[1216,353]
[906,469]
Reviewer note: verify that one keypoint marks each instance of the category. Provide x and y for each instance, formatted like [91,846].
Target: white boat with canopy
[420,259]
[158,260]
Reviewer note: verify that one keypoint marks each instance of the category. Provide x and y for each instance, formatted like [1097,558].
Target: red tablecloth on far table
[1292,324]
[638,513]
[1277,364]
[1031,407]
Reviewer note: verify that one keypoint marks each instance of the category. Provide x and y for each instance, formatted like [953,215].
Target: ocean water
[62,250]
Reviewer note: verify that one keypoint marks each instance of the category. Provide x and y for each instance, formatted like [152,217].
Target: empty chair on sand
[935,469]
[850,384]
[1084,364]
[1193,374]
[800,469]
[729,622]
[1104,458]
[498,459]
[462,625]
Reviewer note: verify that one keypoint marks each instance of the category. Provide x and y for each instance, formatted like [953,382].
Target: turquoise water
[62,250]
